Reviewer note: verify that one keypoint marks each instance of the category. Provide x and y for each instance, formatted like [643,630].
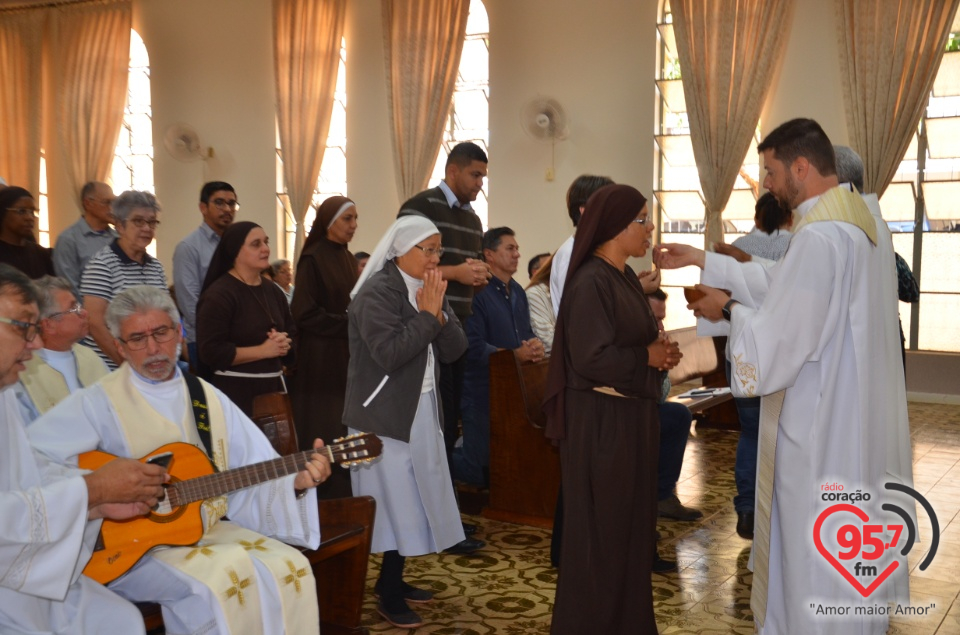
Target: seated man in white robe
[236,579]
[63,365]
[45,535]
[816,336]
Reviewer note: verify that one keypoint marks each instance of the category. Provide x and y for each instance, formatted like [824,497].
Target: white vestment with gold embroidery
[820,325]
[234,580]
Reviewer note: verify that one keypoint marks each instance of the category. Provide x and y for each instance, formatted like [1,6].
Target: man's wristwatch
[725,311]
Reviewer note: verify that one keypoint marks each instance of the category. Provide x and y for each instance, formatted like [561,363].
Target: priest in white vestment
[63,365]
[241,577]
[45,535]
[816,335]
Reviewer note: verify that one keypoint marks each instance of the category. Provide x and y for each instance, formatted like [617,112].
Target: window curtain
[728,51]
[91,55]
[890,51]
[306,56]
[423,41]
[21,35]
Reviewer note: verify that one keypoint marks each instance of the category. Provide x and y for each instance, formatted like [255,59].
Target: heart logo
[862,515]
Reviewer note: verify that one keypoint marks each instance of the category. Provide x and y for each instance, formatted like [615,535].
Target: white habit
[45,541]
[821,325]
[87,421]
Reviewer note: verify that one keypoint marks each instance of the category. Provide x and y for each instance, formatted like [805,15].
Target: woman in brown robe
[601,402]
[326,273]
[244,326]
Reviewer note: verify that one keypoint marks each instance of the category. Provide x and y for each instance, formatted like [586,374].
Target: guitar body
[123,543]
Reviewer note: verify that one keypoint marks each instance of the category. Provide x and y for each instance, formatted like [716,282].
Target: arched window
[133,160]
[469,118]
[926,229]
[678,198]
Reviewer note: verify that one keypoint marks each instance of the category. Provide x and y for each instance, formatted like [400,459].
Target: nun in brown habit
[326,272]
[601,404]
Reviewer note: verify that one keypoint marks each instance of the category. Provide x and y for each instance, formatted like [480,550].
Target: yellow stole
[841,205]
[46,387]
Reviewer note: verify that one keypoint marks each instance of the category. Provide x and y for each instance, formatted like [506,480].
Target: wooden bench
[525,465]
[340,562]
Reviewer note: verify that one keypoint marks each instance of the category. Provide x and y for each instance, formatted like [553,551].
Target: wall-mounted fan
[183,144]
[543,119]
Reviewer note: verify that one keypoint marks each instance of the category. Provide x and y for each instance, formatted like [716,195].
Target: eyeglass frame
[641,221]
[76,309]
[144,338]
[224,203]
[140,223]
[24,327]
[430,251]
[25,211]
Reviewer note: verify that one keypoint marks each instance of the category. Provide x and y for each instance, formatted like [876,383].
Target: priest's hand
[663,354]
[710,306]
[125,481]
[649,280]
[316,470]
[734,252]
[675,256]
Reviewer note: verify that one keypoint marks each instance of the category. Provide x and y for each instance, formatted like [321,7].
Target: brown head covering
[327,211]
[608,212]
[227,250]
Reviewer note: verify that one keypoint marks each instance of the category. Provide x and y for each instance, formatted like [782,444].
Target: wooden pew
[346,528]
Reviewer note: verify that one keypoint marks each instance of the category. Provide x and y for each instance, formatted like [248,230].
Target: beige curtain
[21,36]
[422,42]
[306,56]
[728,52]
[91,55]
[890,51]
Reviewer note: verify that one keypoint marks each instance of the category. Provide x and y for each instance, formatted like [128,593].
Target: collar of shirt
[806,206]
[452,199]
[208,233]
[115,246]
[502,287]
[90,231]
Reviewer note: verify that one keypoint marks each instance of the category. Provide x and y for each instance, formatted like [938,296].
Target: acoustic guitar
[176,520]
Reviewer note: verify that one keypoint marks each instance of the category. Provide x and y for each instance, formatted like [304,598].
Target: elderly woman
[602,394]
[244,326]
[401,328]
[122,264]
[18,245]
[283,276]
[326,273]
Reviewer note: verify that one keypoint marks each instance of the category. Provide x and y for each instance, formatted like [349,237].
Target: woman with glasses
[326,273]
[244,325]
[18,244]
[122,264]
[401,328]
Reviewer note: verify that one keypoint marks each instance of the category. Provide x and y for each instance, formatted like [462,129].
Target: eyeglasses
[161,335]
[140,223]
[24,211]
[75,309]
[640,221]
[226,203]
[430,252]
[29,330]
[106,202]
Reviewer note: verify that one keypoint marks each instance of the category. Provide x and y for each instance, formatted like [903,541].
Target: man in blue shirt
[500,320]
[78,243]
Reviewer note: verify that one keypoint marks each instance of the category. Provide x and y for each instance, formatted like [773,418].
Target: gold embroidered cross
[250,546]
[295,575]
[238,587]
[206,551]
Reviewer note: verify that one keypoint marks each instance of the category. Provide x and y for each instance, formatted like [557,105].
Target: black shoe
[663,566]
[410,593]
[671,507]
[467,545]
[399,617]
[745,525]
[469,529]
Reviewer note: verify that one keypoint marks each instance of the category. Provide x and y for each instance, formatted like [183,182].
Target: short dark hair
[88,189]
[801,138]
[360,255]
[580,190]
[15,282]
[658,294]
[465,153]
[492,237]
[535,261]
[10,195]
[214,186]
[770,213]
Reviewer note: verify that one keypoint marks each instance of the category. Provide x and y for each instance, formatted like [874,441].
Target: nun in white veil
[400,328]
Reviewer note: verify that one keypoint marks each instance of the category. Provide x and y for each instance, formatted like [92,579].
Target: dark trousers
[745,467]
[451,388]
[390,584]
[675,420]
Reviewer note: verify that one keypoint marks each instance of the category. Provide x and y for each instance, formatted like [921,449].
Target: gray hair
[276,264]
[849,166]
[46,286]
[130,200]
[139,299]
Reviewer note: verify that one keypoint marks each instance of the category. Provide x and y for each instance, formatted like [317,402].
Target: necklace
[259,297]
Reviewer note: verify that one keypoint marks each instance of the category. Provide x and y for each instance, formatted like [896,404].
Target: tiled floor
[509,589]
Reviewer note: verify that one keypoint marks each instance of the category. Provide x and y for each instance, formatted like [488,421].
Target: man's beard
[158,371]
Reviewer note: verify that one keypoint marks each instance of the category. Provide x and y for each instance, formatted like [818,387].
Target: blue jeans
[471,462]
[745,468]
[675,420]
